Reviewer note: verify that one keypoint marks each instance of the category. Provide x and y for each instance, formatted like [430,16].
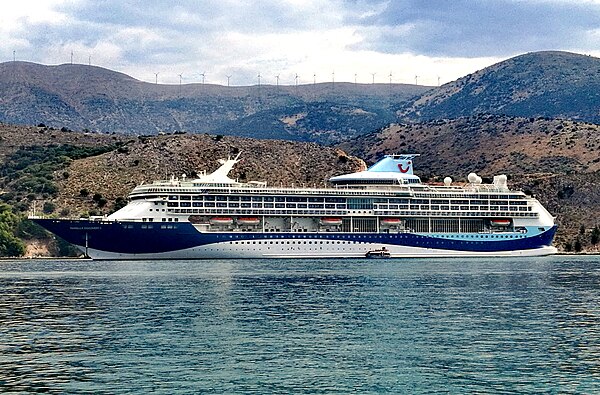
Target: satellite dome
[447,181]
[472,178]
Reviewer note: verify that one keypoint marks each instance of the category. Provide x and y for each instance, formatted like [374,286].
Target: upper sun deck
[393,175]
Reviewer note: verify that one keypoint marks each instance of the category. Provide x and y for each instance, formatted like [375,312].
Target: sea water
[301,326]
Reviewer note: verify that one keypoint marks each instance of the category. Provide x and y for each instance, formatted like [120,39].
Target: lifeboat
[221,221]
[500,222]
[331,221]
[248,221]
[391,221]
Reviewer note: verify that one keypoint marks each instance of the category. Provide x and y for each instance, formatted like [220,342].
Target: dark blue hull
[149,239]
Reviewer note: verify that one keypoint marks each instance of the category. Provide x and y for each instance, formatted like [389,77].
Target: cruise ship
[384,208]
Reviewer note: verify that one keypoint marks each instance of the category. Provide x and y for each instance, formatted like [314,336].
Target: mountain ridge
[550,84]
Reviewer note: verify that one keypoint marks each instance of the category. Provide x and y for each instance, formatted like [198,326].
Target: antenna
[373,74]
[156,78]
[228,77]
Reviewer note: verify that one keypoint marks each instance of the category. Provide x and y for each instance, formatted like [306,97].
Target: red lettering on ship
[402,169]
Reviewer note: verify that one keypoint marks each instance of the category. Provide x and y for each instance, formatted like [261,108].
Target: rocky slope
[114,174]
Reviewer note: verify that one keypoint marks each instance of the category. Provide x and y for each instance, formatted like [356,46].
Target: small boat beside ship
[379,253]
[383,211]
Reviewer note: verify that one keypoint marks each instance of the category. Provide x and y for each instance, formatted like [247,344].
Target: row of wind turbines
[296,78]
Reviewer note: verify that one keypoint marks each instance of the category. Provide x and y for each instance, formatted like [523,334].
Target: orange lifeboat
[500,222]
[221,221]
[331,221]
[391,221]
[248,221]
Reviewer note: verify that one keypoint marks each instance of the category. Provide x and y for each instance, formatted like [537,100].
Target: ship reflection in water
[297,326]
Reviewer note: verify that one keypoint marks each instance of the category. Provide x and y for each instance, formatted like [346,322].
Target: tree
[10,245]
[595,238]
[49,207]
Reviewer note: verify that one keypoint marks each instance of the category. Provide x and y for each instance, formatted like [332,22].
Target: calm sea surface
[301,326]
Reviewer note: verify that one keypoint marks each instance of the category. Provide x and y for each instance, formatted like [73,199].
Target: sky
[403,41]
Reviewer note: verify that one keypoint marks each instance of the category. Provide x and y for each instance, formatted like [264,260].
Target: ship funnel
[402,164]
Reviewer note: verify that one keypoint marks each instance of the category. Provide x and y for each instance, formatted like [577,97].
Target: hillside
[114,174]
[555,160]
[83,97]
[540,84]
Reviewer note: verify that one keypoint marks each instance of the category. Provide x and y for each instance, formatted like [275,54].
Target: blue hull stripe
[137,238]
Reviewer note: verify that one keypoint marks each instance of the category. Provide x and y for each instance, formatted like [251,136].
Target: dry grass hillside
[13,138]
[114,174]
[489,144]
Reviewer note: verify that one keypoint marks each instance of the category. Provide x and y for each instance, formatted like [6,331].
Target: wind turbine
[277,77]
[258,79]
[373,74]
[203,74]
[416,80]
[71,57]
[180,78]
[156,78]
[355,78]
[296,80]
[228,77]
[314,78]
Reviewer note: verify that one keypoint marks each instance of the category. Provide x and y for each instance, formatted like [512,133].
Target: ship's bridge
[391,170]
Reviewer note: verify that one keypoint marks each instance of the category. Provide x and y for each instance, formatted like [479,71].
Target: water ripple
[323,326]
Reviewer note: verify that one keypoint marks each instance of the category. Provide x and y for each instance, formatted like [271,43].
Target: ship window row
[431,192]
[352,203]
[342,212]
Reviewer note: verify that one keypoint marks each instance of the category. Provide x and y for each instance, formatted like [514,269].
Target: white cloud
[242,38]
